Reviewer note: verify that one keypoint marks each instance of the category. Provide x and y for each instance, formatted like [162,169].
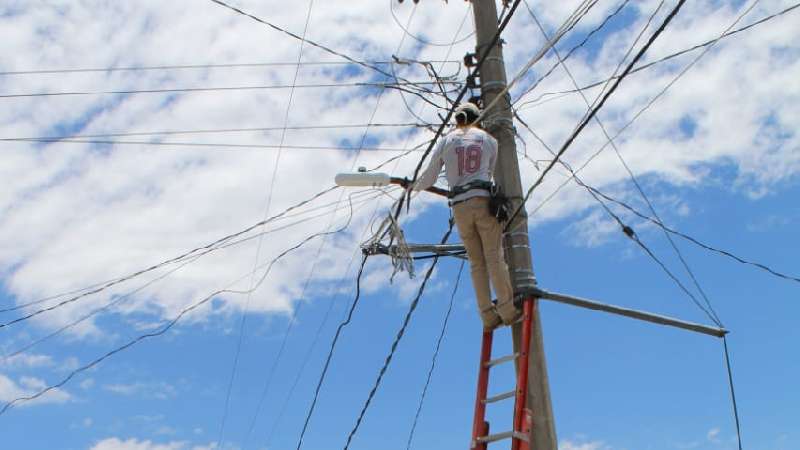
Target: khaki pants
[482,237]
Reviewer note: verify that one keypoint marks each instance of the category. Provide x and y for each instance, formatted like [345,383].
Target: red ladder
[522,416]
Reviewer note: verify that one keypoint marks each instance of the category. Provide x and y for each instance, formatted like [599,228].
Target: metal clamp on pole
[488,86]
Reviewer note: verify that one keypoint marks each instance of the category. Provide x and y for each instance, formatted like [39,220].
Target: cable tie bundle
[400,254]
[397,248]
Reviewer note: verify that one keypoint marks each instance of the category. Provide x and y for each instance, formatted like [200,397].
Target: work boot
[508,312]
[490,318]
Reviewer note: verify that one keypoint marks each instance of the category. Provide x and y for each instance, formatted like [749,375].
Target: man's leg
[491,234]
[464,217]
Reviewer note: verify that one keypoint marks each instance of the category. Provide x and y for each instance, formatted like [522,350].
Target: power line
[394,73]
[229,130]
[307,41]
[458,99]
[333,347]
[397,85]
[668,57]
[260,239]
[219,146]
[592,114]
[428,66]
[435,356]
[363,141]
[733,391]
[215,245]
[630,50]
[317,335]
[203,250]
[297,378]
[576,47]
[319,250]
[625,127]
[577,15]
[122,298]
[198,66]
[53,297]
[633,119]
[166,327]
[629,232]
[421,40]
[633,236]
[696,241]
[631,175]
[358,194]
[594,110]
[400,333]
[209,248]
[296,312]
[624,227]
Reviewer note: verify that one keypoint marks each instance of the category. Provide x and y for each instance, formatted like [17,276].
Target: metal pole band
[490,86]
[497,59]
[516,233]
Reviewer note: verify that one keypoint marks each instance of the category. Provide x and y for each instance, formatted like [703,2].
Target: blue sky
[627,384]
[717,155]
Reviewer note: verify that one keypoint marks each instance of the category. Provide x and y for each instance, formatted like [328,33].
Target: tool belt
[479,184]
[499,205]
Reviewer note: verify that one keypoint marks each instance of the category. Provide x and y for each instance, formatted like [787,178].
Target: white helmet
[469,112]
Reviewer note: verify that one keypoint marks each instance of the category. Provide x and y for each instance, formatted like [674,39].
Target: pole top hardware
[471,83]
[470,60]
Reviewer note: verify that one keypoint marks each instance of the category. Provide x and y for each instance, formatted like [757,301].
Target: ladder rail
[520,422]
[522,376]
[478,424]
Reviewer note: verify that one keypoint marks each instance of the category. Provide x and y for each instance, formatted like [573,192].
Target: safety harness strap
[478,184]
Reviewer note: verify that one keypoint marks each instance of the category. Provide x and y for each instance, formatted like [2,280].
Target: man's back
[468,154]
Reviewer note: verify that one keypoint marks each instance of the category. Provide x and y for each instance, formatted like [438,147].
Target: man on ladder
[468,155]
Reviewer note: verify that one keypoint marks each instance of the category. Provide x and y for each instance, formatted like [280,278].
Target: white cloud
[116,443]
[26,386]
[27,361]
[135,444]
[713,435]
[87,383]
[110,211]
[573,445]
[156,390]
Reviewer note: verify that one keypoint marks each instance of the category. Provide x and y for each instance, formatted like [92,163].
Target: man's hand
[406,184]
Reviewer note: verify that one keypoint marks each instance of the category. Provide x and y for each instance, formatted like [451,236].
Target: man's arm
[493,156]
[431,174]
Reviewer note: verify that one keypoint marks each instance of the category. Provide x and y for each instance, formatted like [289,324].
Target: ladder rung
[499,397]
[501,436]
[497,361]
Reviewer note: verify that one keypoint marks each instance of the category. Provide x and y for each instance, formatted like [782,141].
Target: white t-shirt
[467,154]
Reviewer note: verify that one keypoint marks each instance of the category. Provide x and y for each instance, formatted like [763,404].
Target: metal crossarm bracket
[631,313]
[456,250]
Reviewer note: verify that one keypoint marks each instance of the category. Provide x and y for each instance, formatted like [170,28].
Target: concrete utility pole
[499,122]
